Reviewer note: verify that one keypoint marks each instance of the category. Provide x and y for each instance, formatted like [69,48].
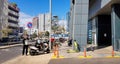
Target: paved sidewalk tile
[38,59]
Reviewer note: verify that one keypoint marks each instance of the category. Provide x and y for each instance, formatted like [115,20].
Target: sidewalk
[98,53]
[38,59]
[46,58]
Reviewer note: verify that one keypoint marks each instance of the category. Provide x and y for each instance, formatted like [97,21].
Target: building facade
[3,15]
[44,22]
[35,26]
[9,14]
[13,18]
[79,21]
[105,18]
[97,18]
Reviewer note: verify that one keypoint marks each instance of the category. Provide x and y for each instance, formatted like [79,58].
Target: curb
[8,46]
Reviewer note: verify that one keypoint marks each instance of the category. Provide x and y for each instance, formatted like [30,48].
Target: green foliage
[14,4]
[34,35]
[55,28]
[47,33]
[6,31]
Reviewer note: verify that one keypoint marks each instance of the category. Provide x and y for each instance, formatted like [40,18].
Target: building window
[73,2]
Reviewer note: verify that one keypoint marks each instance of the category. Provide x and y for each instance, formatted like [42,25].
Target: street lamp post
[50,11]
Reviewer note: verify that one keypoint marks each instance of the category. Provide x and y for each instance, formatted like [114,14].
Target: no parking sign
[29,25]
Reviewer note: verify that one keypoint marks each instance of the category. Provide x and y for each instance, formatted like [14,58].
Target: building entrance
[104,30]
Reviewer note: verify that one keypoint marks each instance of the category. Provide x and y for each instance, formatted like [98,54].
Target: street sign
[29,25]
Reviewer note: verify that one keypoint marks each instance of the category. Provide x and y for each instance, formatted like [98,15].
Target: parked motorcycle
[39,47]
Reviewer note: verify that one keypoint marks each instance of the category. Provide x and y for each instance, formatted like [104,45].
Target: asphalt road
[10,53]
[86,61]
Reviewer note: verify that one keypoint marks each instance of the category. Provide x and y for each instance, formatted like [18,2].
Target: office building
[99,18]
[79,21]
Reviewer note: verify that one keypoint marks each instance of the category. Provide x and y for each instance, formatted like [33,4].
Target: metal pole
[38,25]
[73,25]
[50,11]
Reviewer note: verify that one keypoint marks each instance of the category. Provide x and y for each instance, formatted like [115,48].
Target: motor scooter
[39,47]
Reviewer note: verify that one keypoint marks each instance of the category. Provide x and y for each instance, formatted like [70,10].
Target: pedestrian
[52,42]
[76,46]
[25,38]
[70,42]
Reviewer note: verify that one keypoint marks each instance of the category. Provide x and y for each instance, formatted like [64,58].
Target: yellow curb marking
[85,57]
[113,56]
[55,57]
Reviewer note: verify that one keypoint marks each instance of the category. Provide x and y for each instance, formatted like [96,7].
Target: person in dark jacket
[25,38]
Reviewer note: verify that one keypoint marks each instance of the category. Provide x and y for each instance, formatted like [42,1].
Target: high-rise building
[79,21]
[68,21]
[13,18]
[44,22]
[9,14]
[35,26]
[97,18]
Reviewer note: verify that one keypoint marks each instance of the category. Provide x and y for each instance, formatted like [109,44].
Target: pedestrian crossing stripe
[55,57]
[85,57]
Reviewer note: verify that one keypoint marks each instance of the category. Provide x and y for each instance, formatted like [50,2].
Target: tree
[6,32]
[47,34]
[55,28]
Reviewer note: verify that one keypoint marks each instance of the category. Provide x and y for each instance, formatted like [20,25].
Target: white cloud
[63,23]
[24,19]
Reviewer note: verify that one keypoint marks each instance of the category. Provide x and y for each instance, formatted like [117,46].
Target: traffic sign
[29,25]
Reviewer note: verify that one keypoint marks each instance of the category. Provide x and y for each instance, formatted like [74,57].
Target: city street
[10,53]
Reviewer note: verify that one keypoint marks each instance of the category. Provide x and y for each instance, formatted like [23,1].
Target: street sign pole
[29,25]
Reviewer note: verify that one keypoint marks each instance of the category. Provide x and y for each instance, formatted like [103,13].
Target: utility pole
[50,11]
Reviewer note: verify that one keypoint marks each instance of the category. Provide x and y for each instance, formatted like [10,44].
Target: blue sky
[35,7]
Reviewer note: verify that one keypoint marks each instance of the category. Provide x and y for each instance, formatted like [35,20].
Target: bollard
[57,53]
[113,52]
[54,50]
[85,52]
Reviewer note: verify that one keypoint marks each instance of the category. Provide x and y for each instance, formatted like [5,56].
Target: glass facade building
[97,18]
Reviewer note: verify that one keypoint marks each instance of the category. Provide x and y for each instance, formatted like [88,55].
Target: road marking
[54,57]
[113,56]
[85,57]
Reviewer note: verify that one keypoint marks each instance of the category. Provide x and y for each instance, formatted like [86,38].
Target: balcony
[14,13]
[13,8]
[12,18]
[13,25]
